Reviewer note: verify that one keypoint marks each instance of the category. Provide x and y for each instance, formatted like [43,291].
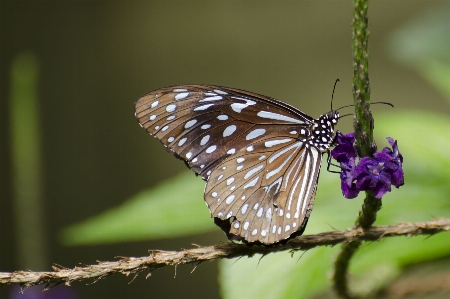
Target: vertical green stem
[363,125]
[361,87]
[363,122]
[26,163]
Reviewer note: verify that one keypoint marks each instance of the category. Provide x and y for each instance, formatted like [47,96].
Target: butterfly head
[323,130]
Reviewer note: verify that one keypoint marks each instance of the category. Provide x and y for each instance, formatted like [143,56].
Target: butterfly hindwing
[267,194]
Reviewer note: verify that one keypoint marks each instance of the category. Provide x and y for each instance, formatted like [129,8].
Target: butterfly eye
[260,157]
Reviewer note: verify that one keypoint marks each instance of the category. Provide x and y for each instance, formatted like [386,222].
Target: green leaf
[174,208]
[276,275]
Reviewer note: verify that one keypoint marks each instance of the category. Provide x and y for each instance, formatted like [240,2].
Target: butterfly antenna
[345,115]
[332,94]
[385,103]
[344,107]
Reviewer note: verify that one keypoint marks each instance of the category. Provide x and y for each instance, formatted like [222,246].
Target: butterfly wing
[261,175]
[267,193]
[205,124]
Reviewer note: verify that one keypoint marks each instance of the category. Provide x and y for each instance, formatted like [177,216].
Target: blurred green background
[71,149]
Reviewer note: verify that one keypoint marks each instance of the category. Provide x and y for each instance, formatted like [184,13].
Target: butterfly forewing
[205,124]
[259,156]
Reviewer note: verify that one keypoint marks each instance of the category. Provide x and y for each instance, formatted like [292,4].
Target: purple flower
[394,166]
[347,185]
[344,152]
[375,173]
[370,174]
[346,155]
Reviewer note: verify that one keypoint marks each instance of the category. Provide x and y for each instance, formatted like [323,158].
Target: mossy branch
[158,258]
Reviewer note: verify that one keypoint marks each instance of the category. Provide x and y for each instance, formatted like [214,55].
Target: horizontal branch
[158,258]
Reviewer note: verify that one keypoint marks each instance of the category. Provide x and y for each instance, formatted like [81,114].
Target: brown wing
[204,125]
[267,192]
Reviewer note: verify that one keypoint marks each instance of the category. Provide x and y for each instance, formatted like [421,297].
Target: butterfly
[260,157]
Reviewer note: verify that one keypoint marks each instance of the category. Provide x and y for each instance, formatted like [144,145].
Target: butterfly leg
[331,164]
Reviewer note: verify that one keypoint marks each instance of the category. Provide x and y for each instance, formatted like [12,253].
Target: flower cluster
[376,173]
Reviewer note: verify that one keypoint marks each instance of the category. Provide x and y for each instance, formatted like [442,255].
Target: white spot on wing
[152,117]
[251,183]
[276,142]
[204,140]
[215,98]
[237,107]
[182,141]
[220,91]
[276,116]
[244,209]
[311,180]
[189,155]
[229,130]
[154,104]
[260,212]
[204,127]
[171,108]
[210,149]
[204,107]
[181,96]
[190,123]
[222,117]
[273,157]
[246,225]
[253,171]
[231,151]
[273,172]
[255,133]
[230,181]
